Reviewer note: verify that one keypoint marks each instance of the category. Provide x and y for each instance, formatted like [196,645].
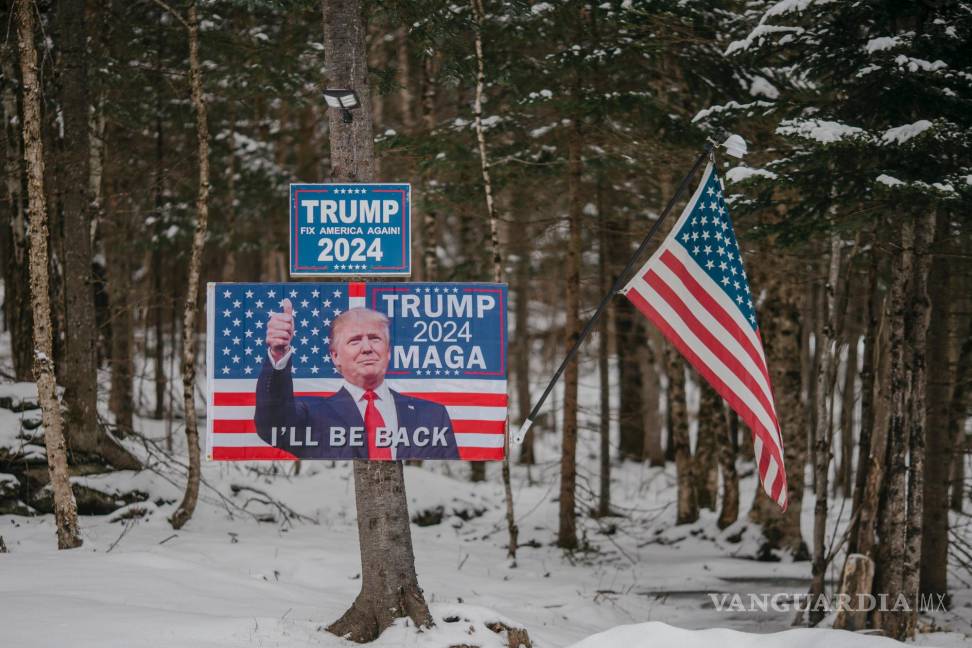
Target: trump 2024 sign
[350,229]
[378,371]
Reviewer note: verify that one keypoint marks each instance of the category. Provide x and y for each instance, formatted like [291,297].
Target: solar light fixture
[343,100]
[735,146]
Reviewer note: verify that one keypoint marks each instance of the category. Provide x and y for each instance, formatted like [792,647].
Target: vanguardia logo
[803,602]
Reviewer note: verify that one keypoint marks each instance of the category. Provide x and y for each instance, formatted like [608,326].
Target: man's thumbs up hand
[280,330]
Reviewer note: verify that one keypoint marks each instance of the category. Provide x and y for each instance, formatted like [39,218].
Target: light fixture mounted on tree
[343,100]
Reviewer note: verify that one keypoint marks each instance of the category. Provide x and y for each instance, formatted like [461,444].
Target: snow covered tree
[871,102]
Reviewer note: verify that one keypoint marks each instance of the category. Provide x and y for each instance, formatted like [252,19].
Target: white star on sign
[226,294]
[249,294]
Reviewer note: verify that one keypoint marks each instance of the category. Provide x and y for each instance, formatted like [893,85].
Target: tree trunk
[389,585]
[781,330]
[16,275]
[712,426]
[942,356]
[495,251]
[567,536]
[956,421]
[188,504]
[630,338]
[603,367]
[729,512]
[856,582]
[65,508]
[80,378]
[821,468]
[687,507]
[848,400]
[118,261]
[652,425]
[892,516]
[868,370]
[520,358]
[917,327]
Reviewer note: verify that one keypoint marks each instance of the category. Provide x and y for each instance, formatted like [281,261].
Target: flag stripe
[725,313]
[746,413]
[714,343]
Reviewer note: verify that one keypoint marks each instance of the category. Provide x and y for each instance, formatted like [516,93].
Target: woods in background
[148,148]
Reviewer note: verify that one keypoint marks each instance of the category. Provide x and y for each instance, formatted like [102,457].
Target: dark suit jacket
[277,407]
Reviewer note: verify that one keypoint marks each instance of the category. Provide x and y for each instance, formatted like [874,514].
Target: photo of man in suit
[364,419]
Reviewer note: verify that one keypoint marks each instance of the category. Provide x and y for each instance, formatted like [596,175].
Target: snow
[916,64]
[760,87]
[18,393]
[758,33]
[820,130]
[882,43]
[651,635]
[740,173]
[902,134]
[228,579]
[889,180]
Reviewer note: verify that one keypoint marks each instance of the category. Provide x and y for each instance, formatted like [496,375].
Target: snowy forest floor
[245,571]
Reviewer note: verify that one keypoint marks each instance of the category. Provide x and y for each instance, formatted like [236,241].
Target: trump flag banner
[378,371]
[694,289]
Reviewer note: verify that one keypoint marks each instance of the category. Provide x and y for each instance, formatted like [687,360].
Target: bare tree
[65,508]
[188,505]
[494,244]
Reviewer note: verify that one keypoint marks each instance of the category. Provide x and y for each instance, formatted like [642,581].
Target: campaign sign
[379,371]
[350,229]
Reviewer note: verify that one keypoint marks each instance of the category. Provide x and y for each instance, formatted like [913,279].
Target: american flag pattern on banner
[443,366]
[694,289]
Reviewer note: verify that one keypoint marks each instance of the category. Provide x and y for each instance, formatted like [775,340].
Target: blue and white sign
[350,229]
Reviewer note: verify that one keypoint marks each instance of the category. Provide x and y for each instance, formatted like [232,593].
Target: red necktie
[373,421]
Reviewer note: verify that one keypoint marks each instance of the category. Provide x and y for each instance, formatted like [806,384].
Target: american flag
[694,289]
[236,348]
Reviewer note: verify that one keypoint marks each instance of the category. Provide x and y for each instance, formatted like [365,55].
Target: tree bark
[603,367]
[956,420]
[824,383]
[389,585]
[188,504]
[919,313]
[892,515]
[495,250]
[781,330]
[687,499]
[65,508]
[712,426]
[80,378]
[567,536]
[865,462]
[15,243]
[848,400]
[729,512]
[520,358]
[630,338]
[652,426]
[943,337]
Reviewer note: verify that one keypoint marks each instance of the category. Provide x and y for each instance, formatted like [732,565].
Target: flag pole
[618,284]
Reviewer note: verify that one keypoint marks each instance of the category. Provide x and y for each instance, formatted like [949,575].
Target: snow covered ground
[243,574]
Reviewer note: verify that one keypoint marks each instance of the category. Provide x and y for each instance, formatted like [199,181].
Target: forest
[148,148]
